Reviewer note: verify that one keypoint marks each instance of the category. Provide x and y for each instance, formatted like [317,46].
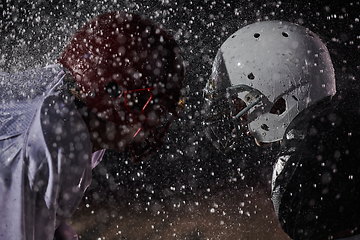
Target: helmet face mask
[129,72]
[154,118]
[263,76]
[227,117]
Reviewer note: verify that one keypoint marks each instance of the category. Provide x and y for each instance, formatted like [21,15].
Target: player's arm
[70,147]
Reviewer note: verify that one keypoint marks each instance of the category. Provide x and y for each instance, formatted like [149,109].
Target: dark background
[187,190]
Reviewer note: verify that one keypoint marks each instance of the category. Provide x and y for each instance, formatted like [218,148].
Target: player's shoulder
[310,126]
[62,124]
[330,120]
[340,113]
[315,113]
[29,84]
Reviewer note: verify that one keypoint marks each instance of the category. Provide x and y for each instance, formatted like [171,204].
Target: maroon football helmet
[129,71]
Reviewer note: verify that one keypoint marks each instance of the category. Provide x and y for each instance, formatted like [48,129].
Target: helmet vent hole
[113,89]
[256,35]
[285,34]
[233,36]
[279,107]
[295,98]
[251,76]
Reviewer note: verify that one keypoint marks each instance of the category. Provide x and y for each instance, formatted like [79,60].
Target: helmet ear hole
[279,107]
[113,89]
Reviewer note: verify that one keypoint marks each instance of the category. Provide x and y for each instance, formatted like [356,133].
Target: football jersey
[45,154]
[316,184]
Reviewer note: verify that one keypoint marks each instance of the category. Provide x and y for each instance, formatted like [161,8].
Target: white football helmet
[263,76]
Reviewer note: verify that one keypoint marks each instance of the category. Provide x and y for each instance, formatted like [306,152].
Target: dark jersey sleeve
[316,178]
